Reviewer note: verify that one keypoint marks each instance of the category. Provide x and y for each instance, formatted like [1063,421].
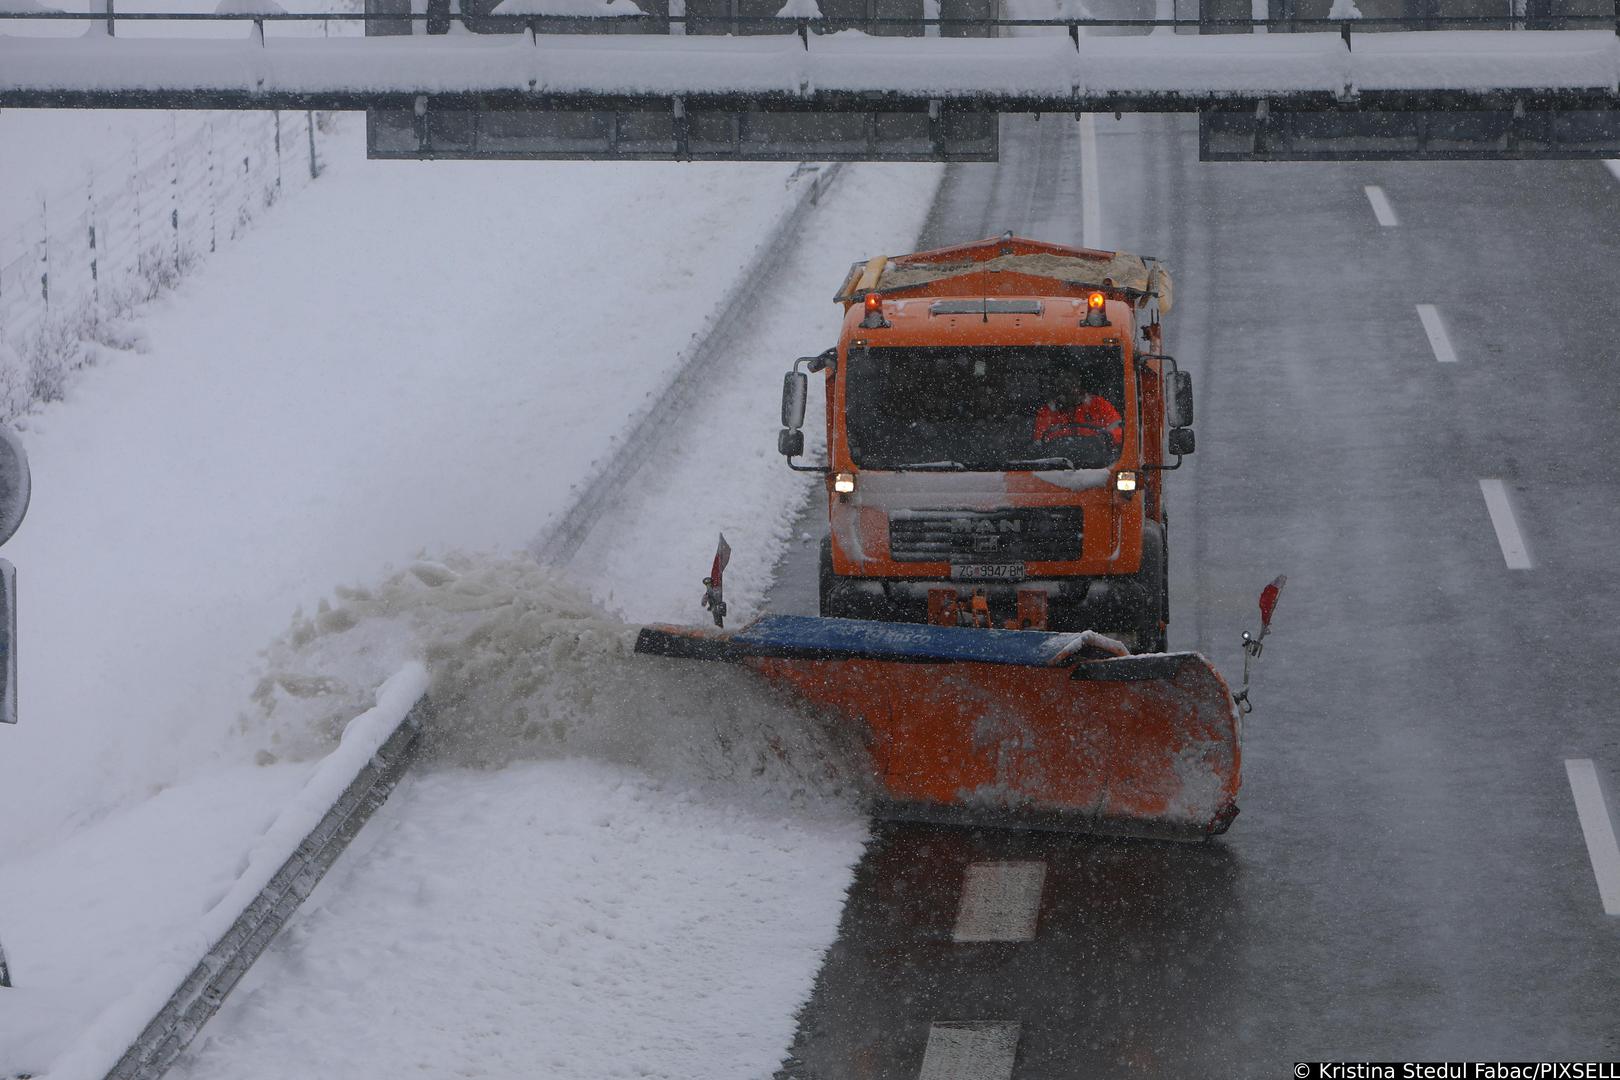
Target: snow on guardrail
[141,1034]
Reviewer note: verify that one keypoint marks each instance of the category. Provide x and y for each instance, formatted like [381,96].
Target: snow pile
[524,666]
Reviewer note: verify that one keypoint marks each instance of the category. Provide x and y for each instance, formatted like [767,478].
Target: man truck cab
[999,420]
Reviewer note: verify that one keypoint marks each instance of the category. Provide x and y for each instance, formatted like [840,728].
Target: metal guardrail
[204,990]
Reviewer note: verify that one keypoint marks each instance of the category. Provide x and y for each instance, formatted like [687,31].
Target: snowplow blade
[1006,726]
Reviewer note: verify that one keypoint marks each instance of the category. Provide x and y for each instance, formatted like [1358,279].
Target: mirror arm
[1162,468]
[827,358]
[1144,357]
[822,469]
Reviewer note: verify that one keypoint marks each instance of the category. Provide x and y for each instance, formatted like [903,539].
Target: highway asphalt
[1408,878]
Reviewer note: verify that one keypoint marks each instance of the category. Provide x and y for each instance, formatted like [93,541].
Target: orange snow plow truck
[1000,420]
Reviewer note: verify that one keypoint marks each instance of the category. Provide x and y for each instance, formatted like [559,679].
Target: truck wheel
[1155,580]
[836,603]
[848,602]
[827,580]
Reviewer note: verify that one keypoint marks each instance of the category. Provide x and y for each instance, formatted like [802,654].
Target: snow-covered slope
[658,910]
[411,358]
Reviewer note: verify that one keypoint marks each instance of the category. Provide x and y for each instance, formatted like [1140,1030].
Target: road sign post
[15,488]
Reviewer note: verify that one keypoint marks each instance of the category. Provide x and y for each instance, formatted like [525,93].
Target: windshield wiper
[1042,463]
[930,466]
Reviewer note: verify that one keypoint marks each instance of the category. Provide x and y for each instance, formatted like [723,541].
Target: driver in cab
[1077,414]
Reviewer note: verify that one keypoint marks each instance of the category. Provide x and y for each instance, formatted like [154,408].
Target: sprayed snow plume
[525,667]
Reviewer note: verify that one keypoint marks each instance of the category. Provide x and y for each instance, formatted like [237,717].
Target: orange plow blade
[1011,726]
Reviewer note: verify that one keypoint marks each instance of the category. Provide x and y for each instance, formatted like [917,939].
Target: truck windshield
[987,408]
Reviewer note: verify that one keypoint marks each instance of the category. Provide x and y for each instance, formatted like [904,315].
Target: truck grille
[1034,534]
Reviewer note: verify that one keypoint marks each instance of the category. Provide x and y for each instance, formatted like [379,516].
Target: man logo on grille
[985,526]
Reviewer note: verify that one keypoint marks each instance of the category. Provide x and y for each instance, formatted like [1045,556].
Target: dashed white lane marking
[1507,528]
[1435,327]
[970,1050]
[1001,901]
[1384,212]
[1090,182]
[1613,166]
[1598,828]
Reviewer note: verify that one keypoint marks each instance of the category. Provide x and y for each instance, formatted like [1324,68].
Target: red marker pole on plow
[1253,646]
[714,596]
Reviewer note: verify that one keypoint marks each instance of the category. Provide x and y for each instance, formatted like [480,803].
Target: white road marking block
[1507,529]
[1439,340]
[1598,829]
[1090,182]
[970,1050]
[1613,166]
[1001,901]
[1382,210]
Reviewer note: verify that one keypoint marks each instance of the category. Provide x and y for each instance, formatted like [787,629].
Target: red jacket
[1093,416]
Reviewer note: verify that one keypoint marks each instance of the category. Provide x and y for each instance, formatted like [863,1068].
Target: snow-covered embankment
[418,358]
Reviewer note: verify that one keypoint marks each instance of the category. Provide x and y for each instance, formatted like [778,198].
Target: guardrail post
[213,193]
[45,253]
[174,193]
[95,256]
[111,29]
[314,162]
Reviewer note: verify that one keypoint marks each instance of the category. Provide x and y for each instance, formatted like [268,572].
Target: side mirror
[790,442]
[1182,441]
[1180,405]
[795,391]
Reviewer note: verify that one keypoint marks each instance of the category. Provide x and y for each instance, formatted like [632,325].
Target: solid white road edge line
[1439,340]
[970,1050]
[1507,529]
[1090,196]
[1001,901]
[1382,210]
[1598,829]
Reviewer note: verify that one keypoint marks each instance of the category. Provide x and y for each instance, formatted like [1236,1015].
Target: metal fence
[133,227]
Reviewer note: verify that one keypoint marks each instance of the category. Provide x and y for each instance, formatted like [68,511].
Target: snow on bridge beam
[1301,96]
[1169,73]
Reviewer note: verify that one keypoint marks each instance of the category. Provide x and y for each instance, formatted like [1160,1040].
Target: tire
[835,603]
[827,580]
[848,602]
[1154,577]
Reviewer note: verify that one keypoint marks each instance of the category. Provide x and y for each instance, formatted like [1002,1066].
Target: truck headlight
[844,483]
[1125,481]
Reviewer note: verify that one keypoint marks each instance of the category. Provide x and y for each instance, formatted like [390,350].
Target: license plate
[1009,571]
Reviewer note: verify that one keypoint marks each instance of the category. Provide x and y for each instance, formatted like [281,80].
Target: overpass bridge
[707,87]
